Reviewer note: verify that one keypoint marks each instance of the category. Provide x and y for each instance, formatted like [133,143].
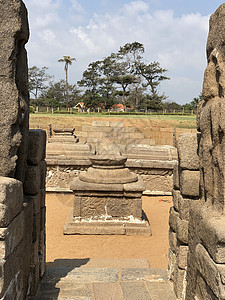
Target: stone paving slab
[135,291]
[85,275]
[151,275]
[160,290]
[103,291]
[116,279]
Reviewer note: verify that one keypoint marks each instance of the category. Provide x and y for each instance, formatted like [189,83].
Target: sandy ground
[153,248]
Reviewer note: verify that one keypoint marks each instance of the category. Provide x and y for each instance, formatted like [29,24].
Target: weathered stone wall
[206,263]
[186,178]
[22,165]
[22,225]
[197,263]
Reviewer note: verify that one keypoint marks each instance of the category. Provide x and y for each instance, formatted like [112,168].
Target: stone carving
[14,99]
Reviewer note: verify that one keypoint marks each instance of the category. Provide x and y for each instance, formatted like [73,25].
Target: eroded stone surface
[14,99]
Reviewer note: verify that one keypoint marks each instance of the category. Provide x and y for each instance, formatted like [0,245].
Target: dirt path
[154,248]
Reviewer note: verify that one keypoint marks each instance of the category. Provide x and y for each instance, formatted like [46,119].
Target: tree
[55,95]
[38,79]
[68,61]
[153,74]
[90,81]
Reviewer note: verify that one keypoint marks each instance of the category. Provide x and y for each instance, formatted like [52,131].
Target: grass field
[175,121]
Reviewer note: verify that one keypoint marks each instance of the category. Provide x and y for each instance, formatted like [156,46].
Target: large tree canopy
[124,77]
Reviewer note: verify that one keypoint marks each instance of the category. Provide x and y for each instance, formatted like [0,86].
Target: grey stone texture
[36,152]
[11,200]
[188,151]
[189,183]
[14,99]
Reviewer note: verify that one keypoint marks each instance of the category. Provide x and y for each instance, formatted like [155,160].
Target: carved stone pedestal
[107,200]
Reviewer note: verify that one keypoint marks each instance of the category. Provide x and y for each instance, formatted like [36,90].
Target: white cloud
[177,43]
[76,6]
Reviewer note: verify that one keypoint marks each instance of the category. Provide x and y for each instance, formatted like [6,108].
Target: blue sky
[174,32]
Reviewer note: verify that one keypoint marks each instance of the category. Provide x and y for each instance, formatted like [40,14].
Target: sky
[173,32]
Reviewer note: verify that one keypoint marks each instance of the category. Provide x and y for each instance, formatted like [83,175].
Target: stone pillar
[186,177]
[206,256]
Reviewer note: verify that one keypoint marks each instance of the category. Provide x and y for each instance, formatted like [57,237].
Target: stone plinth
[107,200]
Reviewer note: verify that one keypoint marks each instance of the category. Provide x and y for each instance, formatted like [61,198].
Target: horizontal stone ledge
[68,162]
[106,228]
[150,164]
[156,193]
[58,190]
[145,193]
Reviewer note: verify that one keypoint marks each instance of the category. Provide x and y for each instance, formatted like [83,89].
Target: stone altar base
[106,227]
[107,200]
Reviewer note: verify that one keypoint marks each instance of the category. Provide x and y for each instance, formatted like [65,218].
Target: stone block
[36,227]
[182,231]
[103,290]
[27,239]
[184,207]
[188,151]
[42,253]
[92,206]
[36,201]
[202,289]
[138,230]
[11,200]
[32,182]
[43,169]
[42,198]
[212,273]
[34,253]
[10,267]
[34,279]
[115,124]
[14,100]
[36,146]
[176,195]
[77,206]
[189,183]
[172,241]
[176,176]
[173,216]
[182,252]
[211,232]
[11,236]
[100,123]
[172,263]
[124,207]
[179,282]
[94,134]
[15,288]
[42,218]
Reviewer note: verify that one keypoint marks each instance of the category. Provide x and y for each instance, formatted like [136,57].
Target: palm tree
[68,61]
